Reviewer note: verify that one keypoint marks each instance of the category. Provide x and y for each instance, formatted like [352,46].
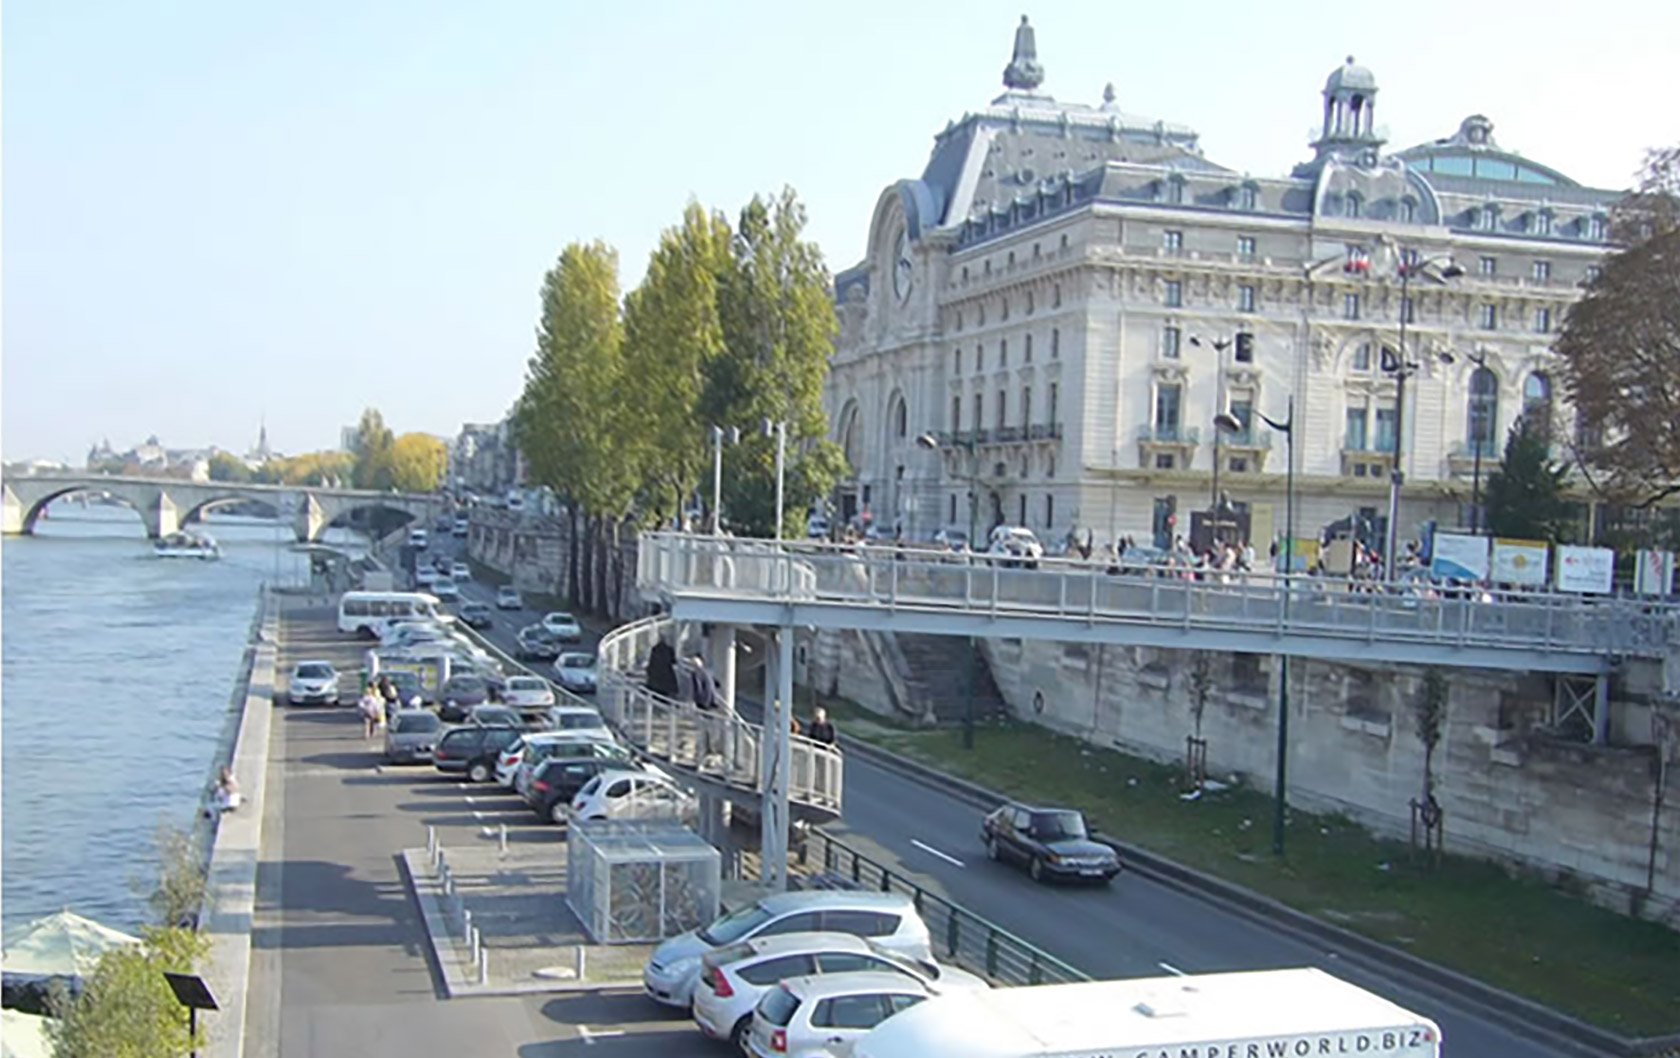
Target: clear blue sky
[217,211]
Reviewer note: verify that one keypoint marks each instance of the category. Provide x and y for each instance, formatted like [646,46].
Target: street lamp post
[931,443]
[718,434]
[779,431]
[1228,423]
[1219,346]
[1479,358]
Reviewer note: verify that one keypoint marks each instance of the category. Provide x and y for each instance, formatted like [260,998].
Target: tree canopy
[1524,497]
[417,463]
[372,452]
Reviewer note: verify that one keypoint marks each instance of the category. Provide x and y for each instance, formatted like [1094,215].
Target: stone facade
[535,554]
[1511,789]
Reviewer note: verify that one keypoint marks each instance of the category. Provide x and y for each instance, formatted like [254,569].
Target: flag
[1358,262]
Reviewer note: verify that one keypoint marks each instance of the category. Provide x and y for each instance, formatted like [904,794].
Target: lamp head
[928,441]
[1195,341]
[1227,423]
[1451,270]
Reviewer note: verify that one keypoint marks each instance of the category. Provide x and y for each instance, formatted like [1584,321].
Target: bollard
[477,942]
[504,839]
[580,962]
[484,967]
[466,921]
[431,842]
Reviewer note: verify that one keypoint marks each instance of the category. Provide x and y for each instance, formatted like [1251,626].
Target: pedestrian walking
[705,690]
[372,706]
[662,670]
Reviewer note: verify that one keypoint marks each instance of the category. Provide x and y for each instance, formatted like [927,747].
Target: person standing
[662,670]
[372,706]
[821,730]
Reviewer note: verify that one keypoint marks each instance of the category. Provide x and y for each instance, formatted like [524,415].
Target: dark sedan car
[410,734]
[558,779]
[476,615]
[1049,842]
[536,644]
[495,716]
[460,694]
[472,750]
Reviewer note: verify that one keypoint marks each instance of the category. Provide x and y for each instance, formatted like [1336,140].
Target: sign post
[192,993]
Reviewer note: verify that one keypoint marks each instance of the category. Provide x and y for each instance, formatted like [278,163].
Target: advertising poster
[1303,557]
[1653,572]
[1459,557]
[1585,569]
[1519,562]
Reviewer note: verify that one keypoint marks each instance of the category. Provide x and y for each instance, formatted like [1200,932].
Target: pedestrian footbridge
[755,582]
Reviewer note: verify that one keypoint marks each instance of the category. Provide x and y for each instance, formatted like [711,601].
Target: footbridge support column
[12,522]
[161,516]
[778,757]
[720,649]
[310,519]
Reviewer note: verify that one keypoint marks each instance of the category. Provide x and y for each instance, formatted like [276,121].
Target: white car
[579,720]
[825,1014]
[460,571]
[562,626]
[527,692]
[312,683]
[735,977]
[446,589]
[425,576]
[507,598]
[632,795]
[576,672]
[1014,544]
[407,633]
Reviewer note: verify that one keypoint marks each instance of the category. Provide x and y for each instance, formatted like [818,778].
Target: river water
[119,668]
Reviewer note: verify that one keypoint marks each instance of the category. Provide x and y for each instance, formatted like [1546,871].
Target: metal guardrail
[1273,605]
[958,936]
[713,744]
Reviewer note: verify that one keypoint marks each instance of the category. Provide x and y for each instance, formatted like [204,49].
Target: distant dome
[1351,76]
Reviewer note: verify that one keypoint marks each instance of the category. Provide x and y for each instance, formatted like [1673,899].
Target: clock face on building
[903,267]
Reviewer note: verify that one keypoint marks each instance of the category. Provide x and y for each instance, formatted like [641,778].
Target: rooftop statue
[1023,71]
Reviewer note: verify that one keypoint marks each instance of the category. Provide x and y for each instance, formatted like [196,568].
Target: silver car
[410,736]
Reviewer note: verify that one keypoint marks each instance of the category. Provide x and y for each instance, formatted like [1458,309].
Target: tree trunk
[574,557]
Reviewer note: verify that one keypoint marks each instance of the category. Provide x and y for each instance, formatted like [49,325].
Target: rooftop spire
[1023,71]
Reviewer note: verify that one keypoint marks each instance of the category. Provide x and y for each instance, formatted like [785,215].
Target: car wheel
[738,1035]
[1037,869]
[479,772]
[992,852]
[557,812]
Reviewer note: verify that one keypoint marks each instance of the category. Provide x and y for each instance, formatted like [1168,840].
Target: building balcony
[1367,463]
[1167,447]
[1051,431]
[1002,435]
[1461,460]
[1183,436]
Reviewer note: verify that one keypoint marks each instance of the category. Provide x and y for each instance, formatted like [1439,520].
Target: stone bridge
[166,504]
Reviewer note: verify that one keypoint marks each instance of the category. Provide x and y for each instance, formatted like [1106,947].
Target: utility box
[636,882]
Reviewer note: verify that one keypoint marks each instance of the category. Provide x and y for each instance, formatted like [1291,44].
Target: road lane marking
[590,1035]
[1175,971]
[929,849]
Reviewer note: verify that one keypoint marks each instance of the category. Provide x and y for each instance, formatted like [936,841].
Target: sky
[223,214]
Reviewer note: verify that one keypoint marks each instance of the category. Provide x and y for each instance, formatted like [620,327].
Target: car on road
[471,750]
[528,693]
[446,589]
[888,919]
[824,1014]
[460,571]
[735,977]
[410,735]
[476,615]
[460,694]
[563,626]
[312,683]
[1015,545]
[578,720]
[575,671]
[555,781]
[441,564]
[495,716]
[507,598]
[460,527]
[425,577]
[544,745]
[536,643]
[631,795]
[1051,843]
[417,539]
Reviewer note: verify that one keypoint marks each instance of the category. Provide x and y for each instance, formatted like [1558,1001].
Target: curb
[1519,1015]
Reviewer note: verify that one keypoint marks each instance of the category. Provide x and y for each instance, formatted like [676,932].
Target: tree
[1620,346]
[1525,495]
[225,466]
[126,1008]
[417,463]
[372,452]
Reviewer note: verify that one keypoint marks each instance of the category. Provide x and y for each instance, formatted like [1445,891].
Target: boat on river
[187,545]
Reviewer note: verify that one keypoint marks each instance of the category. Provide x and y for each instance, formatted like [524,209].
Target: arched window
[1484,411]
[901,419]
[1537,405]
[1408,211]
[851,436]
[1355,204]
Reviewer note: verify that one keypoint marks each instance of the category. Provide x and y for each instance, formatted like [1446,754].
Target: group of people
[691,681]
[380,700]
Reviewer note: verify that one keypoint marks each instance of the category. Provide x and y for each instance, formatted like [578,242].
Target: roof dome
[1352,77]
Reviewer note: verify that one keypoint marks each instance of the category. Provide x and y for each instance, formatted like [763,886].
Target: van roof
[857,898]
[1095,1017]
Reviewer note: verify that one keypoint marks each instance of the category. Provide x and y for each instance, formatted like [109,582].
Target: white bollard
[580,954]
[431,842]
[483,967]
[466,921]
[504,839]
[473,941]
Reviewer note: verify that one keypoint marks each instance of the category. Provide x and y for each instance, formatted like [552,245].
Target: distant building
[484,460]
[261,454]
[349,438]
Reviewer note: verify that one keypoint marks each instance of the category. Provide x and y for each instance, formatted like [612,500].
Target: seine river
[118,673]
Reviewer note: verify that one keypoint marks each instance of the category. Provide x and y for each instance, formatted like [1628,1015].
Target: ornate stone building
[1058,301]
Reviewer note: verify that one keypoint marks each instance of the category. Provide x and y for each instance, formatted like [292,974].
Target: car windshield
[526,683]
[731,928]
[777,1007]
[1055,826]
[577,661]
[415,724]
[579,721]
[314,672]
[465,685]
[560,619]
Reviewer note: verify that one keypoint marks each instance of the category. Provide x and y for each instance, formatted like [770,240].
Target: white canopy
[60,945]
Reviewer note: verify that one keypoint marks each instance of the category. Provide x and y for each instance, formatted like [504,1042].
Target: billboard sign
[1653,572]
[1585,569]
[1459,557]
[1519,562]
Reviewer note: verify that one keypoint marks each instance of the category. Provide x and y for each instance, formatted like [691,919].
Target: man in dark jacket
[821,730]
[705,691]
[662,670]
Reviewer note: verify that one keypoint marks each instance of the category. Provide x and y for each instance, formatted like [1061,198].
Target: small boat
[187,545]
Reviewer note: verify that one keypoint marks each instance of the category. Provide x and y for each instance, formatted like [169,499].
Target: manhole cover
[555,973]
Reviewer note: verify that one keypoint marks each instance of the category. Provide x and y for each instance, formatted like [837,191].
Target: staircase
[936,672]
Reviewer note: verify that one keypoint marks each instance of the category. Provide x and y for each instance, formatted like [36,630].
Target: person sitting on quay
[225,796]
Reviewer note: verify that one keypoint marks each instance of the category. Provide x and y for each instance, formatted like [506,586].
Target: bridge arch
[197,512]
[34,511]
[341,513]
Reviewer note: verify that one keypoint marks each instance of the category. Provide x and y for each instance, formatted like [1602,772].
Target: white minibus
[366,612]
[1255,1014]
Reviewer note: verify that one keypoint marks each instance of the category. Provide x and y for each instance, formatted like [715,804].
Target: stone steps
[937,673]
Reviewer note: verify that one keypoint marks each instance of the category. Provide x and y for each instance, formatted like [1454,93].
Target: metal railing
[1092,592]
[712,743]
[957,935]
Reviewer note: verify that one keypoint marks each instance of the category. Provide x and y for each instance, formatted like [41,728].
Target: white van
[367,612]
[1232,1015]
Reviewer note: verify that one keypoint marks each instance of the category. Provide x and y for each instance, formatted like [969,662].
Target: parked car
[528,693]
[409,687]
[507,598]
[545,745]
[952,540]
[1014,545]
[445,589]
[460,694]
[536,643]
[563,626]
[556,781]
[576,672]
[495,716]
[824,1014]
[410,735]
[460,571]
[889,919]
[631,795]
[476,615]
[312,683]
[410,633]
[1049,842]
[735,977]
[578,720]
[471,750]
[425,577]
[816,527]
